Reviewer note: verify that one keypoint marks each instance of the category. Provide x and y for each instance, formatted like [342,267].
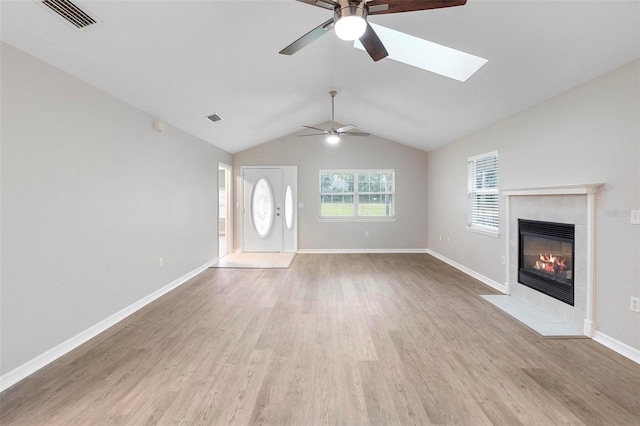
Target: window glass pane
[349,179]
[325,185]
[386,183]
[337,205]
[342,183]
[288,208]
[262,207]
[375,205]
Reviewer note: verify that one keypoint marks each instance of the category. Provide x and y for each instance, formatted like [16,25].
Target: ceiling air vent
[70,13]
[213,118]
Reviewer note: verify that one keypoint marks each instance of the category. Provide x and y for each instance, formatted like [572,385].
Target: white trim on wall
[228,171]
[14,376]
[615,345]
[365,250]
[485,280]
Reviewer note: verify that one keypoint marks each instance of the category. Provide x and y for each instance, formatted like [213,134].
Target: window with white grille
[483,195]
[357,194]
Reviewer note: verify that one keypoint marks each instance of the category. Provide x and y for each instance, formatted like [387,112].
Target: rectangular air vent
[213,118]
[70,13]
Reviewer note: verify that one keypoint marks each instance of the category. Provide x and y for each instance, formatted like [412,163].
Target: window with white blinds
[483,195]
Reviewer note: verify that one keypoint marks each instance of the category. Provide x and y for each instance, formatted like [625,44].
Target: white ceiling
[184,60]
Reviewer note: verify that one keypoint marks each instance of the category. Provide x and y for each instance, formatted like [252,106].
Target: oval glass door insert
[288,208]
[262,207]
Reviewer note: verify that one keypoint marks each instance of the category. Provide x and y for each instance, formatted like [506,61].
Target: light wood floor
[335,339]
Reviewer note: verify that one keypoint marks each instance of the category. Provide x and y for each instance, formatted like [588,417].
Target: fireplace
[546,254]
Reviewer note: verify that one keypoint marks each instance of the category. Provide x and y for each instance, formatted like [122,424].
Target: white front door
[262,209]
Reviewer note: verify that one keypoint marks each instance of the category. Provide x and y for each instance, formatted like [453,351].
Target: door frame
[228,223]
[289,173]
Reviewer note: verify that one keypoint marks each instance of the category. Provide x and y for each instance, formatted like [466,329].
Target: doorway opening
[225,216]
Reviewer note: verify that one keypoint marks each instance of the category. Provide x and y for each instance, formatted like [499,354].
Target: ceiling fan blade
[315,128]
[373,45]
[315,134]
[325,4]
[379,7]
[354,134]
[346,128]
[308,38]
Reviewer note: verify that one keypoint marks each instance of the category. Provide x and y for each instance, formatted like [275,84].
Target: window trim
[356,195]
[472,190]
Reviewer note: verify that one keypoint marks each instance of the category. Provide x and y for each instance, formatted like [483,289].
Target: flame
[550,263]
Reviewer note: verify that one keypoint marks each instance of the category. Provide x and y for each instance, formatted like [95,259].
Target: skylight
[427,55]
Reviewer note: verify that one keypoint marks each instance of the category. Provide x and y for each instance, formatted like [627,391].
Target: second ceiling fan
[350,21]
[333,135]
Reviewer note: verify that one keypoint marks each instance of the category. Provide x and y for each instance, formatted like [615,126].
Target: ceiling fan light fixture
[350,28]
[350,21]
[333,139]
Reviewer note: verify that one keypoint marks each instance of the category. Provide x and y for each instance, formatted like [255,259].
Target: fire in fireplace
[546,258]
[551,264]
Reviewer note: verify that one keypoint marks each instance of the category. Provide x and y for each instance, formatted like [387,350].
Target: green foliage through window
[357,193]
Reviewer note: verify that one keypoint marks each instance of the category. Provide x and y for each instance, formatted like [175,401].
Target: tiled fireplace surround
[572,204]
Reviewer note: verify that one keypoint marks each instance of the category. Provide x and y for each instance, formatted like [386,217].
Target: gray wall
[312,154]
[586,135]
[91,198]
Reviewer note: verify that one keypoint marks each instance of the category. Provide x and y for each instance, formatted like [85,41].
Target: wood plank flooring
[336,339]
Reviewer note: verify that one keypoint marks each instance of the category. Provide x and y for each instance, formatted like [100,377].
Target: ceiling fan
[350,21]
[333,135]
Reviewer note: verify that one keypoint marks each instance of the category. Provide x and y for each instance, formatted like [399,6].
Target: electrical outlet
[503,259]
[635,304]
[448,240]
[635,217]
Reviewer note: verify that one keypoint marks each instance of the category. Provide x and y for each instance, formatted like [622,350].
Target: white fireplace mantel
[588,189]
[576,189]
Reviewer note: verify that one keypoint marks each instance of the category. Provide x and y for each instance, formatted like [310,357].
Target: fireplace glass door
[546,258]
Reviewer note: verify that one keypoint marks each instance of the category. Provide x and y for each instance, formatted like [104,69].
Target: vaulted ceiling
[184,60]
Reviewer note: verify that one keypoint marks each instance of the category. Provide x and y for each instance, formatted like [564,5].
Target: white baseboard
[14,376]
[615,345]
[359,251]
[589,328]
[485,280]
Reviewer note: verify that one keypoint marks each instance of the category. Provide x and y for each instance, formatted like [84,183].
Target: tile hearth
[535,319]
